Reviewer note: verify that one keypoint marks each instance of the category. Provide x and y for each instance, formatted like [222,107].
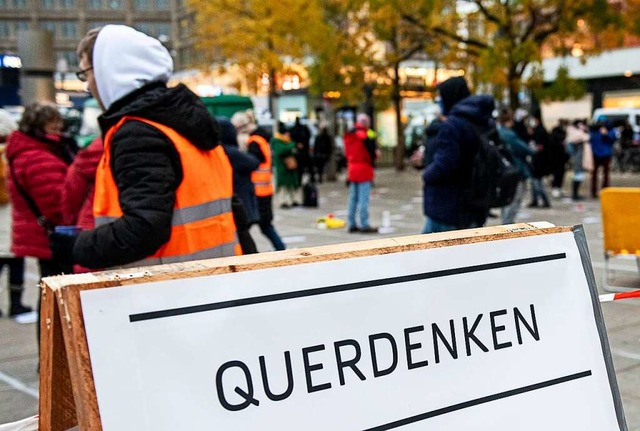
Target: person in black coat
[322,150]
[243,164]
[301,135]
[558,157]
[540,162]
[449,158]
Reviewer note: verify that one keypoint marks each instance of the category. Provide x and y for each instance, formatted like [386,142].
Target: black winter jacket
[449,157]
[147,171]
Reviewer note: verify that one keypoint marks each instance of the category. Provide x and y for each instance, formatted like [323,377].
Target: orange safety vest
[202,225]
[262,177]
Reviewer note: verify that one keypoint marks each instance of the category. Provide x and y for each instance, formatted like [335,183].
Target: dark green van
[226,105]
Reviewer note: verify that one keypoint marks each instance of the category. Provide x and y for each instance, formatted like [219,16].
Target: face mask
[53,137]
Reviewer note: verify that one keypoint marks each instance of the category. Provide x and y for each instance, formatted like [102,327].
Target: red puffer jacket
[40,168]
[359,158]
[79,186]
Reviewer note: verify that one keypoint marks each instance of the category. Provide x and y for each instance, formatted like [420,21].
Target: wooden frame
[67,392]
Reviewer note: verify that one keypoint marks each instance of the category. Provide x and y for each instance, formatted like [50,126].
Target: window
[141,4]
[163,31]
[47,4]
[20,26]
[185,28]
[67,4]
[114,4]
[70,57]
[49,25]
[94,4]
[68,30]
[4,29]
[19,4]
[145,27]
[163,4]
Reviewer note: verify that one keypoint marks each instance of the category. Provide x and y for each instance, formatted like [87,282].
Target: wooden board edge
[201,268]
[56,403]
[77,349]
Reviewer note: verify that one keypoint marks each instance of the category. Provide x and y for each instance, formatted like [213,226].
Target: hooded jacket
[359,150]
[40,167]
[243,165]
[131,79]
[450,159]
[79,185]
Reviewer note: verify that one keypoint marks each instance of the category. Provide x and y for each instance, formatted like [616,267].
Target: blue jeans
[359,201]
[509,212]
[432,226]
[269,231]
[538,191]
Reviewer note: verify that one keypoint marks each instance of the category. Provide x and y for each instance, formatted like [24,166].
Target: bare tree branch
[487,14]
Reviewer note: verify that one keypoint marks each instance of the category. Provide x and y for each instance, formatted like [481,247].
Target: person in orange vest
[258,145]
[163,187]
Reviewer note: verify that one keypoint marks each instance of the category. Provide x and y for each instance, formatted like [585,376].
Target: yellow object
[620,225]
[330,222]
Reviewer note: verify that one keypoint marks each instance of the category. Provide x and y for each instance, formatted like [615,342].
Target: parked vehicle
[626,158]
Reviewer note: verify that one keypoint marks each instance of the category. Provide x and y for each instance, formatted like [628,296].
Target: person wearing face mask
[449,154]
[38,160]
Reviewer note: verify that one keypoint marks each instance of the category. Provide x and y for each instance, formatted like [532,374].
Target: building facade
[69,20]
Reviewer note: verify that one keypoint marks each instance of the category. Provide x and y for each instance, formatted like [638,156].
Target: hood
[177,107]
[19,142]
[452,91]
[228,134]
[125,60]
[478,109]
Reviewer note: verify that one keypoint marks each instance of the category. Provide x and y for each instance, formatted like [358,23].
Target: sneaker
[532,205]
[353,229]
[284,206]
[556,193]
[369,229]
[26,318]
[19,309]
[295,204]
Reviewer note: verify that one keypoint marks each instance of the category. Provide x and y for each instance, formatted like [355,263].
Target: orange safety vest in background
[202,225]
[262,177]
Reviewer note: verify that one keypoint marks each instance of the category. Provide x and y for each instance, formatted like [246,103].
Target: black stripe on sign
[339,288]
[482,400]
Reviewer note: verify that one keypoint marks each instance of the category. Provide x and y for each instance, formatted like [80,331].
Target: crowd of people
[166,182]
[452,140]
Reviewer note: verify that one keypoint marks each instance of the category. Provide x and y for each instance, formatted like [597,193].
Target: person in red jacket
[360,151]
[79,185]
[38,161]
[79,188]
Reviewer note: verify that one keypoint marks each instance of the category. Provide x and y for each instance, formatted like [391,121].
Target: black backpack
[494,175]
[310,195]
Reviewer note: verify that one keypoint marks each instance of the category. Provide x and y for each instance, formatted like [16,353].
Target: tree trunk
[272,98]
[514,89]
[398,155]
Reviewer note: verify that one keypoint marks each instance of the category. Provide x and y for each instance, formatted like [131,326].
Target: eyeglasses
[82,74]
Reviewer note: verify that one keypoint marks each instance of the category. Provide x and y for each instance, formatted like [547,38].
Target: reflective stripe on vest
[262,177]
[187,215]
[202,222]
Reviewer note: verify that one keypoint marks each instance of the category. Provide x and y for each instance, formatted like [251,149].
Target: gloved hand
[61,246]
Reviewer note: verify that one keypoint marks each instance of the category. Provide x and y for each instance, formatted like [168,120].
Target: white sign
[500,335]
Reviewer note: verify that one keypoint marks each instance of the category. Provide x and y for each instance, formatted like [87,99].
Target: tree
[504,37]
[341,62]
[402,40]
[258,36]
